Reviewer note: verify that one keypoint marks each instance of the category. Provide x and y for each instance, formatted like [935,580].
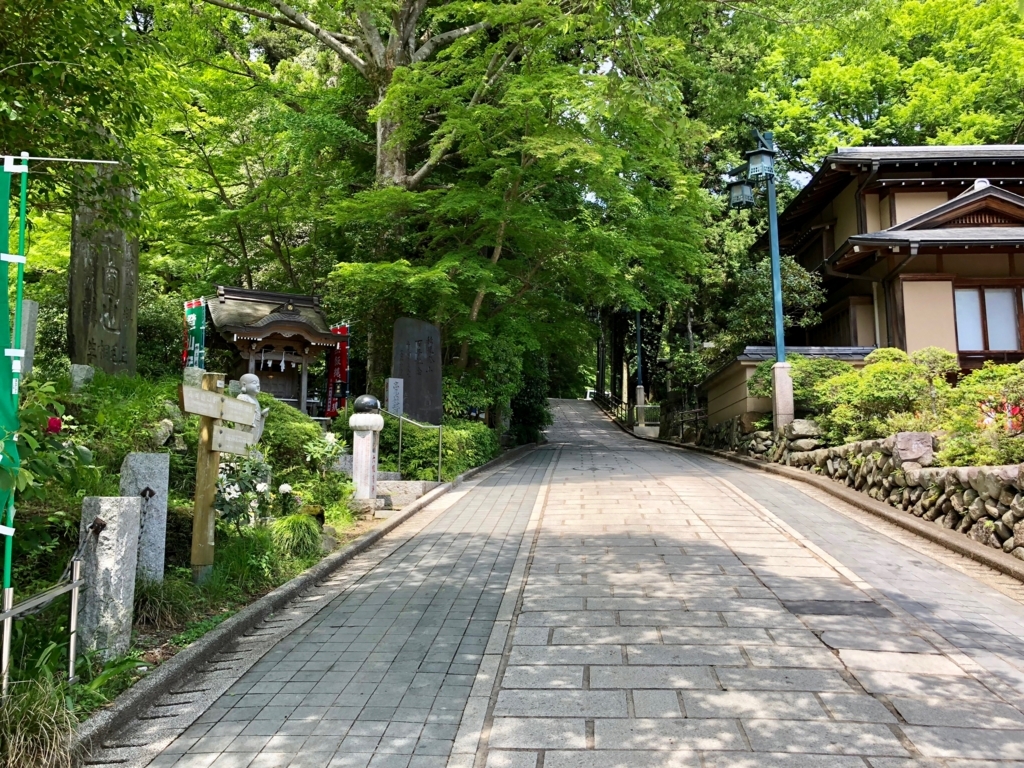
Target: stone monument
[250,384]
[102,282]
[366,423]
[416,359]
[146,476]
[394,396]
[110,531]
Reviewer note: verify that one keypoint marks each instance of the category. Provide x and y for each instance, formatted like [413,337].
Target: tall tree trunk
[392,167]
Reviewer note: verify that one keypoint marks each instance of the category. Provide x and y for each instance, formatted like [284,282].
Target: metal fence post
[76,574]
[5,656]
[440,431]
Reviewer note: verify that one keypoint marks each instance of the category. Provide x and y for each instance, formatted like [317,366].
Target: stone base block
[401,493]
[646,431]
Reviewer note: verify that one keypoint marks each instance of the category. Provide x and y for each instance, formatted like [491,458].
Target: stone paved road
[610,603]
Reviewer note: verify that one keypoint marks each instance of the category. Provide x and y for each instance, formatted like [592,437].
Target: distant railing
[614,407]
[696,420]
[647,415]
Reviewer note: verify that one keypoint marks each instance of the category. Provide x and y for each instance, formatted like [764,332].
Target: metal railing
[647,415]
[35,604]
[405,419]
[696,419]
[614,407]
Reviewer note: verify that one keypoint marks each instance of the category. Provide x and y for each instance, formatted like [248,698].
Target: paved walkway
[611,603]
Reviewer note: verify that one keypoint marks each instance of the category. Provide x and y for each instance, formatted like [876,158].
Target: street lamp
[760,167]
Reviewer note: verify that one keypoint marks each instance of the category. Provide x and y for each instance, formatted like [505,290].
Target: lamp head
[741,194]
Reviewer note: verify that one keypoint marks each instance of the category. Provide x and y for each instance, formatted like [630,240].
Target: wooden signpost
[214,407]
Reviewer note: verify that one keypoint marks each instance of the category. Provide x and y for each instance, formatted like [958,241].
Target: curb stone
[130,704]
[1000,561]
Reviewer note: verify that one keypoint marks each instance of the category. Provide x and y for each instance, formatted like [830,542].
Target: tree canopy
[503,169]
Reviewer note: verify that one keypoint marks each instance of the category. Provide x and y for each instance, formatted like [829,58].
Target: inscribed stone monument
[110,530]
[102,288]
[416,359]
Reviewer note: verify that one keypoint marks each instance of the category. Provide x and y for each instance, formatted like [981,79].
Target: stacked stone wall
[983,503]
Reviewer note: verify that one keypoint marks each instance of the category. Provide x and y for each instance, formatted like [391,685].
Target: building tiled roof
[962,236]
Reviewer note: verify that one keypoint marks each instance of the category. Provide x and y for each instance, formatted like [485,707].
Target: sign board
[337,373]
[416,359]
[195,334]
[394,396]
[228,440]
[203,402]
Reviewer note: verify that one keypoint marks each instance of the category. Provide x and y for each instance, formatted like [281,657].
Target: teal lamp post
[760,168]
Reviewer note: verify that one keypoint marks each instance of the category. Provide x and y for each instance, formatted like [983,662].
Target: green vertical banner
[195,334]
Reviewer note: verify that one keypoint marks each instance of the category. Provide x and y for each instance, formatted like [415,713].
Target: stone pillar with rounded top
[366,424]
[783,411]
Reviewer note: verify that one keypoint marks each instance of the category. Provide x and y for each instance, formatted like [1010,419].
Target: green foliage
[807,373]
[243,489]
[906,72]
[36,726]
[464,445]
[297,535]
[530,413]
[286,435]
[75,80]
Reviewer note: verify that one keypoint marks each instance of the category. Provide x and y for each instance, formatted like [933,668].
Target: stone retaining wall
[984,503]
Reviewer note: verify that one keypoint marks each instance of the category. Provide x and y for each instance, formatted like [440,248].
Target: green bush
[464,445]
[807,373]
[285,436]
[297,535]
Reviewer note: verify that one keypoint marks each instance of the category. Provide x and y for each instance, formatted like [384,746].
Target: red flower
[53,425]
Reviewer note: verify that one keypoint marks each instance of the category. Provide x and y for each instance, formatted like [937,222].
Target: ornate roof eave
[298,328]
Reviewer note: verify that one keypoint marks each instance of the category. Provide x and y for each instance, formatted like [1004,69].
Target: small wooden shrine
[277,335]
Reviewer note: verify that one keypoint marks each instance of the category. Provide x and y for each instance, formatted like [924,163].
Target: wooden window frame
[980,284]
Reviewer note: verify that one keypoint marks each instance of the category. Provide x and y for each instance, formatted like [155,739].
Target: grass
[36,726]
[297,535]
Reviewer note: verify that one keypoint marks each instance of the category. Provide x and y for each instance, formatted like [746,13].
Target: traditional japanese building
[917,247]
[278,336]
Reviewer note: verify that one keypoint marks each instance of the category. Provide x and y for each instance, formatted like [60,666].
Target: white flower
[330,438]
[284,488]
[262,487]
[232,492]
[254,504]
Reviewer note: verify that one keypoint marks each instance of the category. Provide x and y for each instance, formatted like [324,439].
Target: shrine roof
[259,314]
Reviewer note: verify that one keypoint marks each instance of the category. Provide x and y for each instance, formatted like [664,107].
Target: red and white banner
[337,374]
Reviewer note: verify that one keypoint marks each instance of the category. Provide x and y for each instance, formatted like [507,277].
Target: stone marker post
[366,423]
[783,411]
[146,475]
[641,414]
[395,394]
[111,527]
[29,321]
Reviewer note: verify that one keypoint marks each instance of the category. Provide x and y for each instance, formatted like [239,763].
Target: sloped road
[606,602]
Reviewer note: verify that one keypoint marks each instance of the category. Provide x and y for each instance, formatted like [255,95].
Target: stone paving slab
[381,673]
[686,594]
[612,603]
